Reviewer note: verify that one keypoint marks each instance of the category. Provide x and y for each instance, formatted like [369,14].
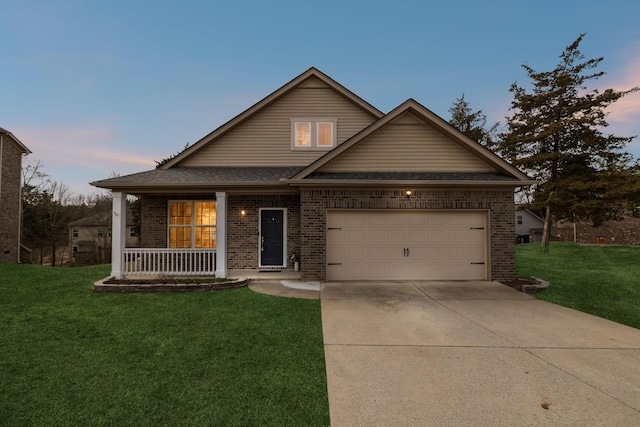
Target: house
[624,232]
[529,226]
[11,153]
[90,238]
[313,172]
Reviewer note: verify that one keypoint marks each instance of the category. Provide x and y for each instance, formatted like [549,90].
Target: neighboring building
[529,226]
[11,153]
[625,232]
[314,172]
[90,238]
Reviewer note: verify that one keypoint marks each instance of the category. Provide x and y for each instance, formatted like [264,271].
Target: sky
[96,88]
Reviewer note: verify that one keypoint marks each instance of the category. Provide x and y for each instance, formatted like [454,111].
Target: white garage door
[406,245]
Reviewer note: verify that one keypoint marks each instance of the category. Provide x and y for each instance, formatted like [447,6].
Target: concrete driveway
[473,353]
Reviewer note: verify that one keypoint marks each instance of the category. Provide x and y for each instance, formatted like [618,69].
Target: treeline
[48,207]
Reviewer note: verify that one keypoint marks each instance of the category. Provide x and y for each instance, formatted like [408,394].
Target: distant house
[11,153]
[529,226]
[625,232]
[90,238]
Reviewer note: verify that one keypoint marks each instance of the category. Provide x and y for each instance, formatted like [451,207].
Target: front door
[272,237]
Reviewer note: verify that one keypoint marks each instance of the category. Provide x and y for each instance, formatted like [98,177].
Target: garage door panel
[373,245]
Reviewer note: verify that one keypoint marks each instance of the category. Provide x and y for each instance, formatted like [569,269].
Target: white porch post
[221,234]
[118,232]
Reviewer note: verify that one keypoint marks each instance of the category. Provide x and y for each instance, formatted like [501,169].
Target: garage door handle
[478,263]
[334,263]
[334,228]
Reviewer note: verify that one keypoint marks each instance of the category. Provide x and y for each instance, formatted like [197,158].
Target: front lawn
[70,357]
[601,280]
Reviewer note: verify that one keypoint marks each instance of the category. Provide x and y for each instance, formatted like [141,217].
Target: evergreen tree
[472,123]
[555,134]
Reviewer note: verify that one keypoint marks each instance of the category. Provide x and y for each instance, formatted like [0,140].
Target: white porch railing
[168,262]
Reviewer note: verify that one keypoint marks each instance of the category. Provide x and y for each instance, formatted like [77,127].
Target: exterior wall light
[243,212]
[408,193]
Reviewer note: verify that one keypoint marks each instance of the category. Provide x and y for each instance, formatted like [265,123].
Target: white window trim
[192,225]
[284,237]
[314,122]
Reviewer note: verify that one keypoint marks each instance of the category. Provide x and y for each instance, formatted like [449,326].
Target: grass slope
[227,358]
[601,280]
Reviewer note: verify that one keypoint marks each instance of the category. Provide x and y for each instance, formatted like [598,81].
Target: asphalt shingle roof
[203,175]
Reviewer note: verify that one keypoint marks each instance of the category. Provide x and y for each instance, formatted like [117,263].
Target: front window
[192,224]
[313,134]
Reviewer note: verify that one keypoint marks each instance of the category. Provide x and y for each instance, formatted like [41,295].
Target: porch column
[221,234]
[118,230]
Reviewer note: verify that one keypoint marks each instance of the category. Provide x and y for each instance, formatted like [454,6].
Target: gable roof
[279,93]
[504,172]
[20,145]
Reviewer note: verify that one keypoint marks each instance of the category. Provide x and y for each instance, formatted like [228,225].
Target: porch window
[192,224]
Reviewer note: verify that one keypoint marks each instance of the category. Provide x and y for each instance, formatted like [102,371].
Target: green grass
[601,280]
[69,357]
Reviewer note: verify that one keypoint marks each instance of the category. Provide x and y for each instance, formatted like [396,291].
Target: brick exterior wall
[314,204]
[10,204]
[306,222]
[243,232]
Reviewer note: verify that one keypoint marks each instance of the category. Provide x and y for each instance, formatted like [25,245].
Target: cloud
[628,107]
[96,148]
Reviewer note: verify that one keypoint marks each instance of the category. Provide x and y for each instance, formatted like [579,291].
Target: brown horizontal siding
[404,148]
[265,138]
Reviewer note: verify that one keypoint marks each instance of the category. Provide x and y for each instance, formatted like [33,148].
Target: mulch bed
[166,285]
[524,284]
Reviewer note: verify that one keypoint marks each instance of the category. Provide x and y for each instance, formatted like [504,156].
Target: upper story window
[519,219]
[313,133]
[74,232]
[132,232]
[192,224]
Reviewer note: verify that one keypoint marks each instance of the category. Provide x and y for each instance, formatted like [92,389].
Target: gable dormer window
[313,133]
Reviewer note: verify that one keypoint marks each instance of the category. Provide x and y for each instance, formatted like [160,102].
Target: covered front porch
[167,262]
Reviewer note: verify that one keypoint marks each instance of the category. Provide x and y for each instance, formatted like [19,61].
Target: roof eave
[15,139]
[428,183]
[193,187]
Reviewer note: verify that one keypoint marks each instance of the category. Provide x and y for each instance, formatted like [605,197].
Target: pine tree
[555,134]
[472,123]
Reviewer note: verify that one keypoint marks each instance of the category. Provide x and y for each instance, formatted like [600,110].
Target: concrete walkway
[473,354]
